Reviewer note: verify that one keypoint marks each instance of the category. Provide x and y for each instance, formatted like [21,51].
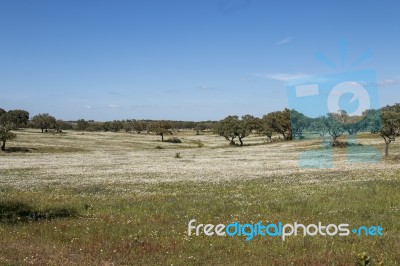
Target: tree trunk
[387,148]
[241,142]
[3,145]
[162,137]
[42,130]
[334,140]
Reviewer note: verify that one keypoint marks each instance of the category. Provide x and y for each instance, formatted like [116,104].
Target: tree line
[289,124]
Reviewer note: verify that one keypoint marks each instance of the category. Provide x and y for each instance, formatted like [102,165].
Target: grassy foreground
[124,199]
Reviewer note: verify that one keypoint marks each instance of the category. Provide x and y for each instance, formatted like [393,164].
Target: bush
[174,140]
[178,155]
[344,144]
[159,147]
[16,212]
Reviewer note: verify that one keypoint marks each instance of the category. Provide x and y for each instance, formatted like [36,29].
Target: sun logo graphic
[335,108]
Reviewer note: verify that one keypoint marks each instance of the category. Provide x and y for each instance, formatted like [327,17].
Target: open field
[125,199]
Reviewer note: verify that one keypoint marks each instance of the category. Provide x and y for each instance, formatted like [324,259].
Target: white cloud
[205,88]
[388,82]
[112,106]
[281,76]
[285,41]
[88,107]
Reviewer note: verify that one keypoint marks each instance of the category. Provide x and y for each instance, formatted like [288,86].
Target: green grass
[150,226]
[122,218]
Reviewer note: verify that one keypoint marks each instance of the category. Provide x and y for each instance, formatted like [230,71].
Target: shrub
[344,144]
[174,140]
[17,212]
[178,155]
[159,147]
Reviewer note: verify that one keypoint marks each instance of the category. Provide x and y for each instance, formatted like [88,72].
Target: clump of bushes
[344,144]
[178,155]
[173,140]
[16,212]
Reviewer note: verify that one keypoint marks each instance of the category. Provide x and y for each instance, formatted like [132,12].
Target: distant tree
[94,126]
[116,126]
[335,127]
[139,126]
[5,135]
[279,121]
[228,128]
[6,125]
[17,118]
[320,125]
[161,128]
[232,127]
[265,128]
[106,126]
[200,127]
[388,127]
[247,125]
[82,124]
[352,124]
[128,126]
[61,125]
[299,122]
[44,122]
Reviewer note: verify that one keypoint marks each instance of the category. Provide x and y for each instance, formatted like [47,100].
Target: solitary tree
[388,127]
[5,135]
[44,122]
[161,128]
[6,125]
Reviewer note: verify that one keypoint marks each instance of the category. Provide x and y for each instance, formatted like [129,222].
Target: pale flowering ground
[77,159]
[134,199]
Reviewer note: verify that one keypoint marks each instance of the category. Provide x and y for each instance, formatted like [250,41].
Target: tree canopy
[232,127]
[161,128]
[44,122]
[11,120]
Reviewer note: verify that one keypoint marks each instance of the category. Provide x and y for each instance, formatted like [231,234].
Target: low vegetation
[123,202]
[91,193]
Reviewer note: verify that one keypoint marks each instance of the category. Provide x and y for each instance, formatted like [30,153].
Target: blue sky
[184,60]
